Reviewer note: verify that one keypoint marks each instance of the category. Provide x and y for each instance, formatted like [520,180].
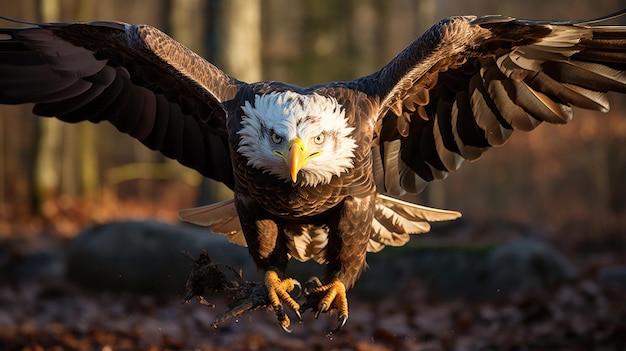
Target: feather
[487,116]
[378,169]
[569,93]
[374,246]
[75,96]
[404,124]
[384,233]
[538,104]
[514,114]
[391,157]
[309,244]
[157,125]
[519,69]
[429,154]
[469,152]
[445,143]
[561,43]
[395,219]
[450,159]
[413,211]
[409,180]
[398,226]
[605,56]
[220,217]
[145,120]
[22,57]
[588,75]
[193,147]
[95,109]
[30,84]
[469,137]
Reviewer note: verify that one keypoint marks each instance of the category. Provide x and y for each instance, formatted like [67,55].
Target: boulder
[614,277]
[26,260]
[475,272]
[145,256]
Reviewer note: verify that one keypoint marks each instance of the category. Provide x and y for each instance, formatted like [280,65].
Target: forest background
[563,185]
[59,177]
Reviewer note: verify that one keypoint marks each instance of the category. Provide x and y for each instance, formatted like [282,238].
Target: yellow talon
[335,296]
[278,292]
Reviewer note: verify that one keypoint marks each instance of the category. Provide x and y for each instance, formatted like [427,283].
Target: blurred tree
[66,159]
[47,173]
[241,42]
[234,44]
[88,155]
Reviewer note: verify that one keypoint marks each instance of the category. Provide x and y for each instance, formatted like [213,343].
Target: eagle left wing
[134,76]
[469,82]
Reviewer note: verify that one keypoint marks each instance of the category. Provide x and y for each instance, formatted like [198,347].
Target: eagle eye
[277,139]
[319,139]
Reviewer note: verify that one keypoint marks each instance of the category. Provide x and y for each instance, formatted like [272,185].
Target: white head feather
[290,115]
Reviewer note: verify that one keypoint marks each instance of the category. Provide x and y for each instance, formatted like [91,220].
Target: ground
[51,313]
[54,315]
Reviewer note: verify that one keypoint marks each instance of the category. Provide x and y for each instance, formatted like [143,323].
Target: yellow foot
[325,297]
[278,292]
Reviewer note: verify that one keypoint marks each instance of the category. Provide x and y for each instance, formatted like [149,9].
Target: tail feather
[221,218]
[395,220]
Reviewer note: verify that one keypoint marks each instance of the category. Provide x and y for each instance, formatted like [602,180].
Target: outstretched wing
[469,82]
[134,76]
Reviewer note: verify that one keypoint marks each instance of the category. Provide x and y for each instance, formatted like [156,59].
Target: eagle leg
[278,292]
[321,298]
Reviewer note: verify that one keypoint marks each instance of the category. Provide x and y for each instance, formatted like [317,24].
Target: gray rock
[145,256]
[527,264]
[475,272]
[614,277]
[25,260]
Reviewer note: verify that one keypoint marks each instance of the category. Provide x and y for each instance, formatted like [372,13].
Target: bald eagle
[317,171]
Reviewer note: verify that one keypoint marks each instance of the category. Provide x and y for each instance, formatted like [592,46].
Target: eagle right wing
[134,76]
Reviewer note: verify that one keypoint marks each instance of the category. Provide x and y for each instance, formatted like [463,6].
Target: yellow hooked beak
[297,158]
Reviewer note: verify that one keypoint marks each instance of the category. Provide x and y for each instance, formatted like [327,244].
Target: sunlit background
[561,178]
[567,183]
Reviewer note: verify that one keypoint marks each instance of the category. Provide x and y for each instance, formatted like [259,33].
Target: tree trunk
[49,142]
[241,41]
[235,45]
[46,174]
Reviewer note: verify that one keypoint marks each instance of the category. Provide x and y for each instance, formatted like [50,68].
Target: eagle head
[304,139]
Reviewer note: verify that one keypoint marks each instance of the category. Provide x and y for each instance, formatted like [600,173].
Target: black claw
[299,315]
[342,322]
[203,301]
[285,329]
[312,283]
[188,297]
[320,310]
[299,286]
